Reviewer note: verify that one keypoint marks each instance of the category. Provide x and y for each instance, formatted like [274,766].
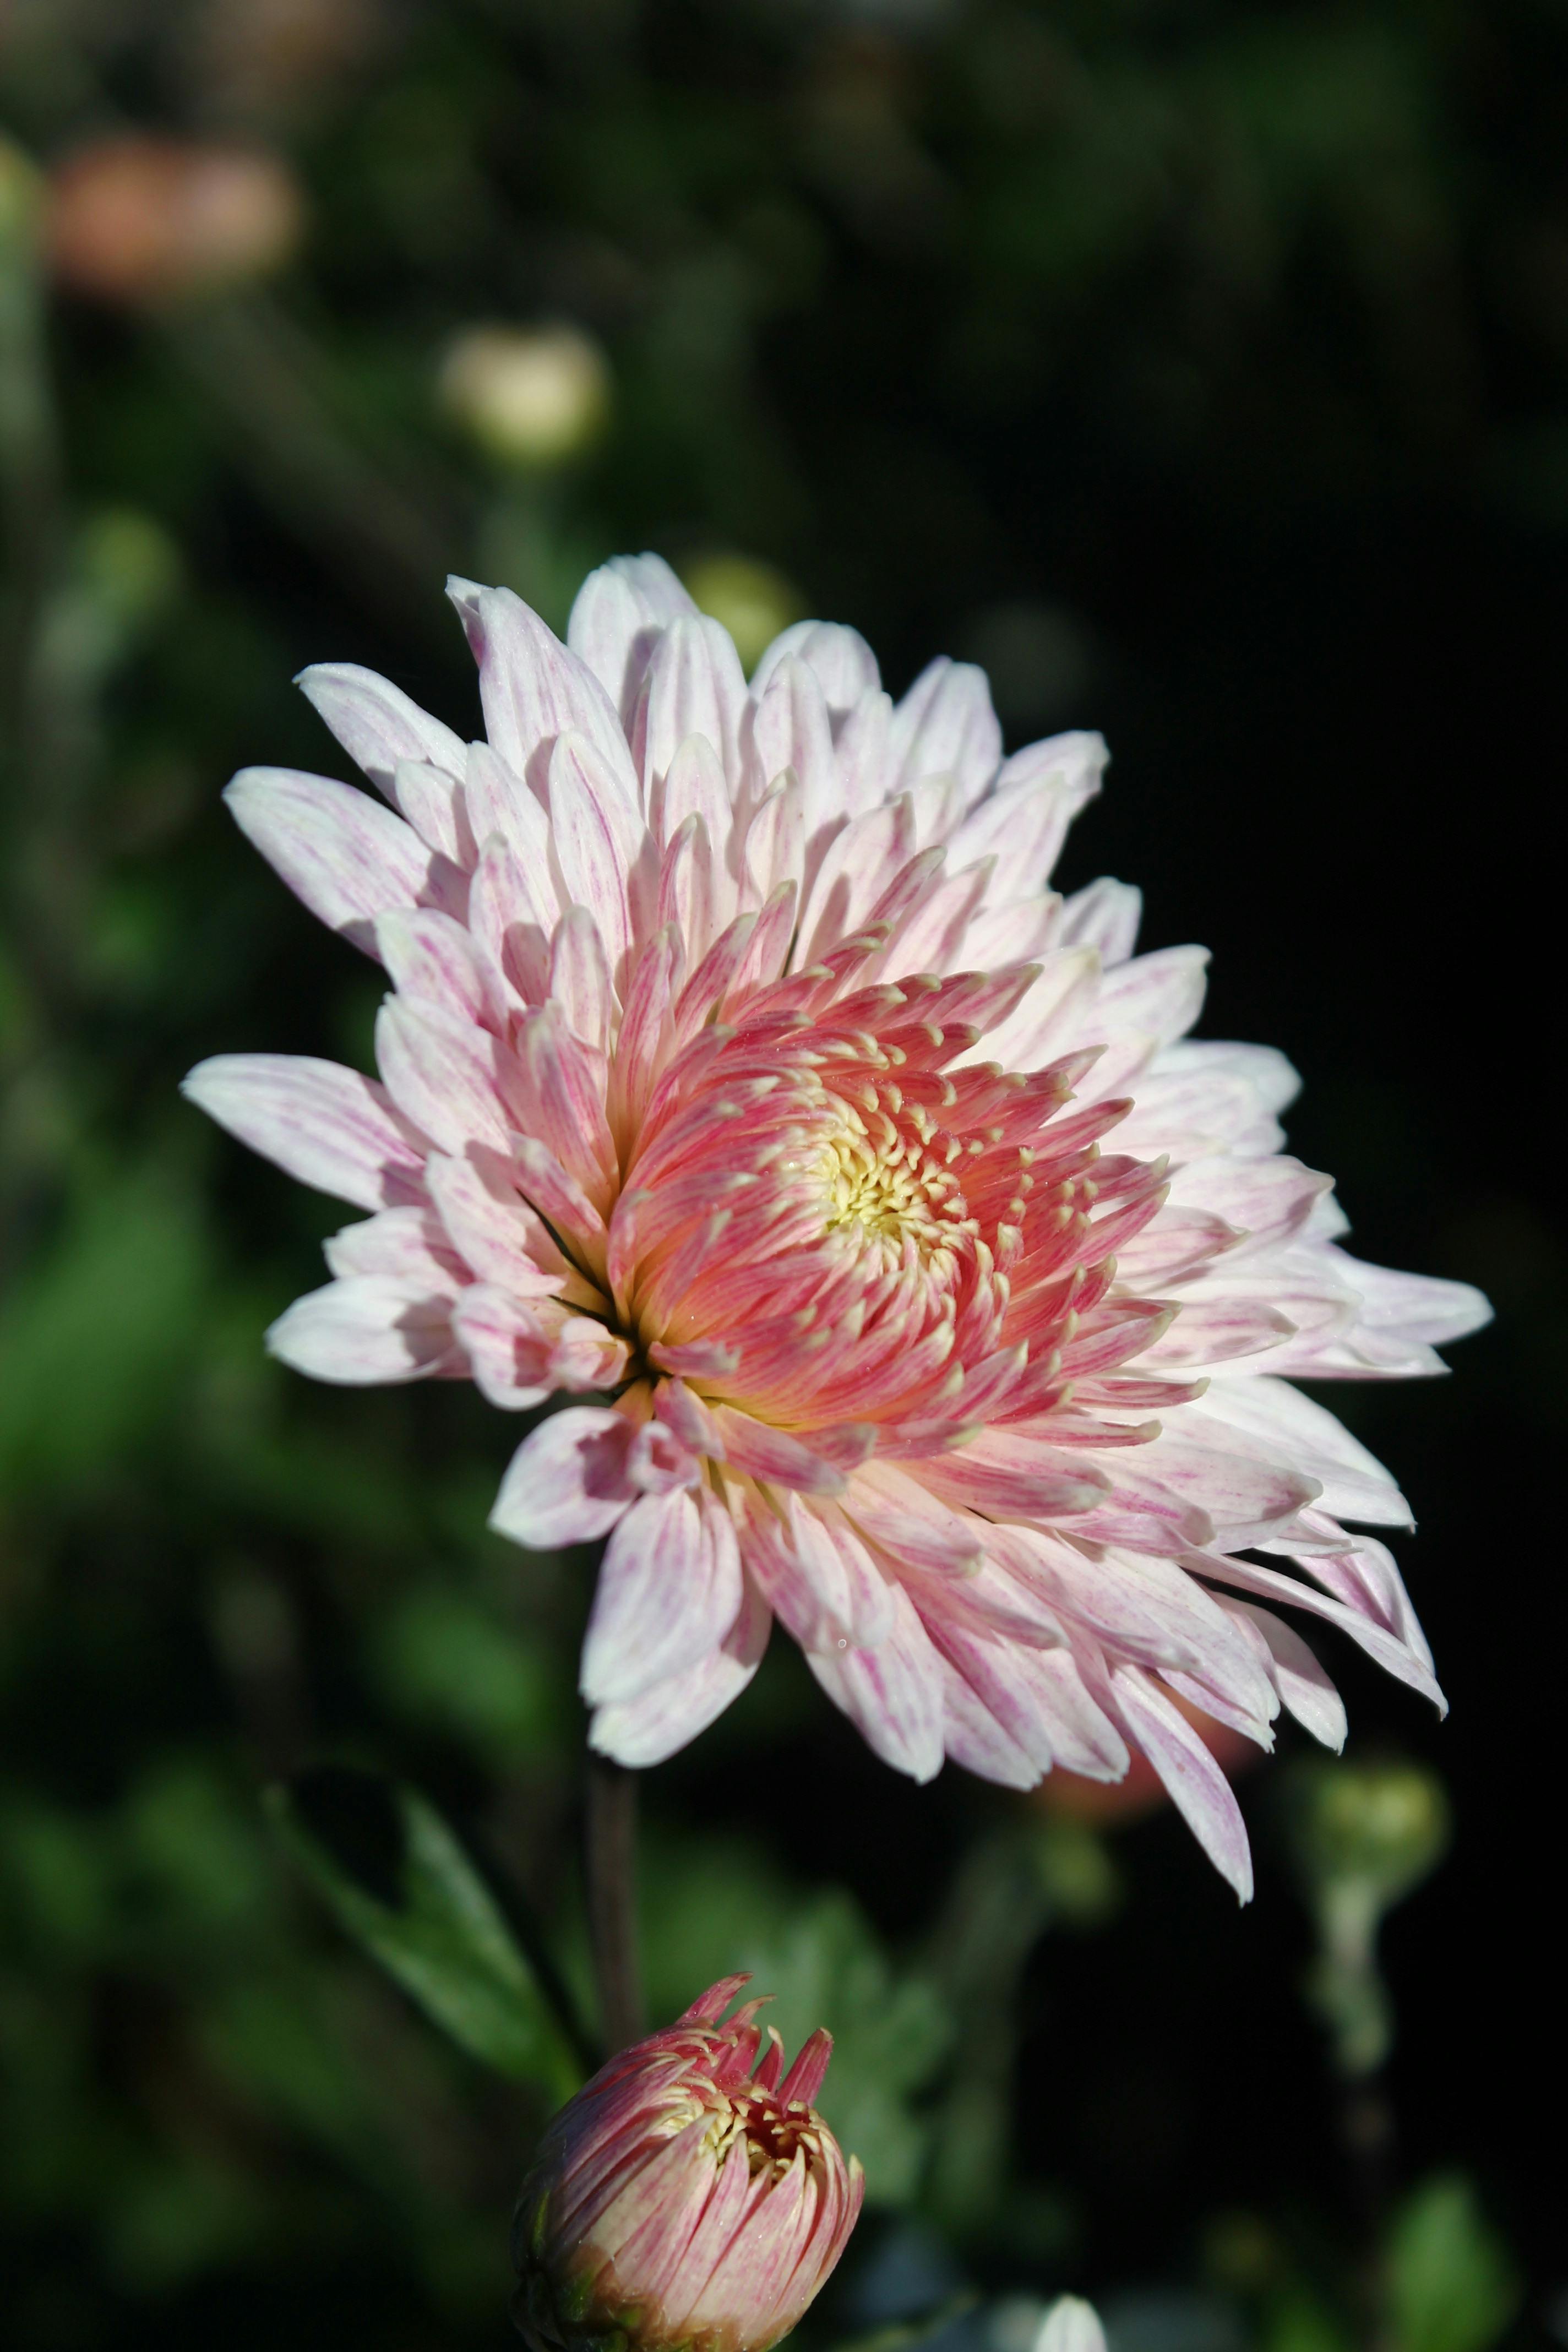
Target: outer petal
[621,612]
[377,724]
[327,1125]
[367,1329]
[345,856]
[893,1694]
[668,1592]
[568,1481]
[1200,1790]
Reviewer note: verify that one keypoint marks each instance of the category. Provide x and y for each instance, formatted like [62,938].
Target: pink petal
[327,1125]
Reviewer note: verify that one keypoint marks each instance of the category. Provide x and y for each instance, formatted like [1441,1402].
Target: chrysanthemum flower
[688,2196]
[742,1068]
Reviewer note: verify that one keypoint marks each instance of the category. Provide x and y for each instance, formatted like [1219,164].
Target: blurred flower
[530,396]
[750,599]
[681,2199]
[1071,2324]
[144,220]
[741,1062]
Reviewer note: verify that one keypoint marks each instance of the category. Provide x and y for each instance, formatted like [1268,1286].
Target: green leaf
[402,1885]
[1451,2283]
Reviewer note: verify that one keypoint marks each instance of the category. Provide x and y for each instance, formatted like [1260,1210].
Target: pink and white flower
[688,2196]
[741,1066]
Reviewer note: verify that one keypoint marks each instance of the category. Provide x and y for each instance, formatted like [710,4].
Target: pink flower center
[831,1213]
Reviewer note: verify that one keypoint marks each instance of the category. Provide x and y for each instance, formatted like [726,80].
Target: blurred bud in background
[683,2199]
[146,221]
[1362,1837]
[751,599]
[534,397]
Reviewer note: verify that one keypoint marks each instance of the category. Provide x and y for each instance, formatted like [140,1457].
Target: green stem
[611,1840]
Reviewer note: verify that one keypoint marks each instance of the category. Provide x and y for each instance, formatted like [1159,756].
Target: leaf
[1451,2283]
[402,1885]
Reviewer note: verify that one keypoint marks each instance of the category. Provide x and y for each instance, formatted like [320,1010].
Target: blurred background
[1202,369]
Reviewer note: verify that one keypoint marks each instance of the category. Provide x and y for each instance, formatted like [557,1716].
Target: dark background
[1198,368]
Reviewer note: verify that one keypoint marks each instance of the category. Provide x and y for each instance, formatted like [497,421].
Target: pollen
[893,1188]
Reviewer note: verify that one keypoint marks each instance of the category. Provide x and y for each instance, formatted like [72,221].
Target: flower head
[742,1066]
[688,2195]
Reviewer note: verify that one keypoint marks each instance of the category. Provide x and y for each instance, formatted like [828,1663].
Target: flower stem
[612,1828]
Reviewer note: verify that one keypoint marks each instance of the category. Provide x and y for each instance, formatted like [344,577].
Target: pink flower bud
[681,2199]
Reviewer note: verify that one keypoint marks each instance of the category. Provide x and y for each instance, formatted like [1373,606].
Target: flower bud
[533,396]
[682,2199]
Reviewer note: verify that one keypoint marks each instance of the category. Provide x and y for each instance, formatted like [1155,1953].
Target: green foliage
[402,1885]
[1452,2286]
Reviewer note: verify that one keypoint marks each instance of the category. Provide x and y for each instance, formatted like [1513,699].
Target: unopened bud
[1383,1824]
[530,396]
[688,2196]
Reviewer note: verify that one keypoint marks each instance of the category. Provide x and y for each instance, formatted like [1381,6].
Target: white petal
[377,724]
[1197,1786]
[1026,815]
[945,726]
[667,1716]
[1106,916]
[694,686]
[1271,1418]
[1302,1682]
[668,1594]
[330,1127]
[621,612]
[845,666]
[410,1244]
[492,1226]
[365,1331]
[441,1074]
[507,1347]
[593,848]
[893,1694]
[345,856]
[567,1482]
[533,689]
[789,729]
